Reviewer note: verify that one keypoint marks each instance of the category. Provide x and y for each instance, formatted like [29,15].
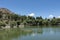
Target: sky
[44,8]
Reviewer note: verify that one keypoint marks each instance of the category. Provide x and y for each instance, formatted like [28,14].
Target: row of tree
[41,21]
[34,21]
[9,18]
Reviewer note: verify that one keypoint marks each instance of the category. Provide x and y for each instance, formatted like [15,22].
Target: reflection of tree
[12,33]
[40,32]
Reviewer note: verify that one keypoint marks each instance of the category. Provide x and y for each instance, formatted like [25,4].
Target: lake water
[36,34]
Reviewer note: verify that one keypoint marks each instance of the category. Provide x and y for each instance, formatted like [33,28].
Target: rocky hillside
[5,10]
[8,17]
[6,14]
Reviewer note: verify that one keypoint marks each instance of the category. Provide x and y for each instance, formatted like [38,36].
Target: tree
[53,21]
[0,14]
[12,23]
[39,17]
[31,18]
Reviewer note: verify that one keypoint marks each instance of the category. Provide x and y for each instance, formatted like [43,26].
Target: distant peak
[5,10]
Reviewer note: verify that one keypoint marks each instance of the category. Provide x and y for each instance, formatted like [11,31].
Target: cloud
[50,16]
[58,17]
[31,14]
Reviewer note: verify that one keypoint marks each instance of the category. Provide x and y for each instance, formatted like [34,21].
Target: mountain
[5,10]
[6,14]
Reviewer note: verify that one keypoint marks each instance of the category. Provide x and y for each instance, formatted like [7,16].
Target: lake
[45,33]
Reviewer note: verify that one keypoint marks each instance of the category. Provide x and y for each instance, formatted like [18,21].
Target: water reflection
[30,34]
[43,34]
[8,34]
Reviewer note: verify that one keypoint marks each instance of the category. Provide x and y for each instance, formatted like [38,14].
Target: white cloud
[58,17]
[31,14]
[50,16]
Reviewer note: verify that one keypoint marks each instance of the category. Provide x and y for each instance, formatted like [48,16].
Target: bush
[2,24]
[12,23]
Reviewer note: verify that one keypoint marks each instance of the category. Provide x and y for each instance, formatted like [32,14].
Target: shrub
[2,24]
[12,23]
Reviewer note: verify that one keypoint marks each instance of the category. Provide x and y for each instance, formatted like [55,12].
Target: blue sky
[44,8]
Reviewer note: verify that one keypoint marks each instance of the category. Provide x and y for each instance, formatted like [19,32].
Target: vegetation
[9,18]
